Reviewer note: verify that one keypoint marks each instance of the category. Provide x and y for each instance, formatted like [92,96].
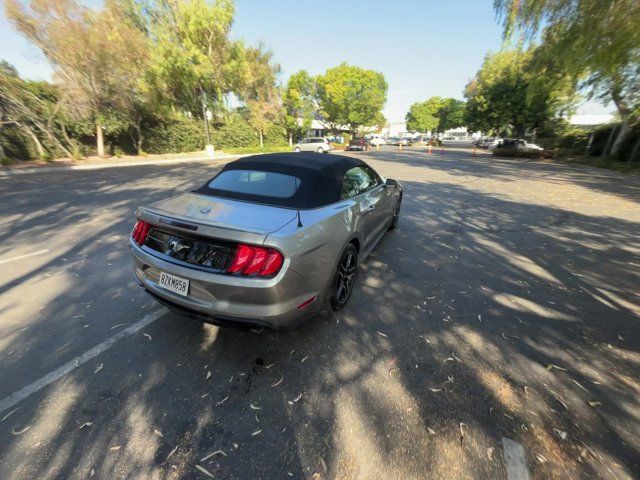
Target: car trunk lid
[220,218]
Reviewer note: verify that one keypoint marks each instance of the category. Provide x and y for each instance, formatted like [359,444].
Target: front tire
[320,150]
[297,150]
[345,278]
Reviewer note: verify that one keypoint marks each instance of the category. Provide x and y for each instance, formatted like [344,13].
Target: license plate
[174,284]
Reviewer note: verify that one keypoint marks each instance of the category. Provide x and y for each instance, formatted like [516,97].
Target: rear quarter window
[252,182]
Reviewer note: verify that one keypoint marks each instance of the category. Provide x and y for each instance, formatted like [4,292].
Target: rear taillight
[140,231]
[258,261]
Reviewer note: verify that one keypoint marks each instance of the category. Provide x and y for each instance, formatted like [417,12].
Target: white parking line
[515,460]
[14,398]
[26,255]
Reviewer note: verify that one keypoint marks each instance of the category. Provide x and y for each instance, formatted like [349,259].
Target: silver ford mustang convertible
[271,240]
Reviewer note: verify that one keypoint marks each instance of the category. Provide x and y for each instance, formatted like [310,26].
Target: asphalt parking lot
[495,333]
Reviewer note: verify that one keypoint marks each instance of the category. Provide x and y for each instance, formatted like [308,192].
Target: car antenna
[299,220]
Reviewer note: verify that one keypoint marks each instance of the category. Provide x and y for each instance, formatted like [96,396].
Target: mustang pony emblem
[176,245]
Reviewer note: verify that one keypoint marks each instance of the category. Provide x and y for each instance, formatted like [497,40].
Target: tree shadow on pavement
[479,318]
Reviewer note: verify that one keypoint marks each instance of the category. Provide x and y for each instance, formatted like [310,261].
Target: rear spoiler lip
[176,223]
[167,218]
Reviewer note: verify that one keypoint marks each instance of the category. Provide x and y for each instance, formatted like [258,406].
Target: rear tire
[344,278]
[320,150]
[396,215]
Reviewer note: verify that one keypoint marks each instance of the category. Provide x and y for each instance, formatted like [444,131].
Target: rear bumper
[229,300]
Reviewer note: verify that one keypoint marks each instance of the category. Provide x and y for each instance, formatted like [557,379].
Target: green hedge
[170,135]
[174,136]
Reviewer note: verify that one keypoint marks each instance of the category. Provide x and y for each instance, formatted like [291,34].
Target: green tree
[451,114]
[299,104]
[97,57]
[598,40]
[33,108]
[424,116]
[350,96]
[259,90]
[506,94]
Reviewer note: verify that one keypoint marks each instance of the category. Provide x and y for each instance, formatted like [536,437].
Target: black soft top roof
[320,175]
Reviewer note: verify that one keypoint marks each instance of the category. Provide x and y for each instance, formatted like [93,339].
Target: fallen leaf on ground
[116,326]
[217,452]
[98,368]
[561,434]
[490,453]
[253,407]
[435,390]
[147,335]
[10,413]
[431,431]
[278,382]
[257,432]
[205,471]
[158,432]
[86,424]
[594,404]
[222,401]
[382,334]
[302,361]
[269,366]
[448,359]
[20,432]
[116,448]
[574,381]
[551,365]
[171,452]
[208,375]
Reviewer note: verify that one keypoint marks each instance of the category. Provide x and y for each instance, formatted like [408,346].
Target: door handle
[368,209]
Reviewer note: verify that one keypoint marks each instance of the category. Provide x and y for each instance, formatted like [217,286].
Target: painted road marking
[515,460]
[26,255]
[14,398]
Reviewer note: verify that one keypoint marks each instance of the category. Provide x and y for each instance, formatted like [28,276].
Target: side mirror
[391,183]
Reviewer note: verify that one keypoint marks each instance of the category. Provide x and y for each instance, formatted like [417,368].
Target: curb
[134,163]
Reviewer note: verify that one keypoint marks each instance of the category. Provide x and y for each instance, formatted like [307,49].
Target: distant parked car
[517,148]
[495,142]
[313,144]
[358,143]
[376,140]
[398,141]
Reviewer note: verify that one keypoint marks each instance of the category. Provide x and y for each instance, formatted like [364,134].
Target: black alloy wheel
[345,278]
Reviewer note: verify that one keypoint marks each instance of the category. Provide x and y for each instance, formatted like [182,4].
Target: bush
[275,136]
[175,135]
[235,132]
[16,145]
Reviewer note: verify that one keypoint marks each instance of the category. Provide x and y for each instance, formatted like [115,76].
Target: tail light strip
[140,231]
[253,260]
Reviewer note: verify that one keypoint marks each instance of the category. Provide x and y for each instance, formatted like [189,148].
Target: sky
[423,47]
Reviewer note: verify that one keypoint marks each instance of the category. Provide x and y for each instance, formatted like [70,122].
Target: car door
[359,185]
[381,204]
[304,146]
